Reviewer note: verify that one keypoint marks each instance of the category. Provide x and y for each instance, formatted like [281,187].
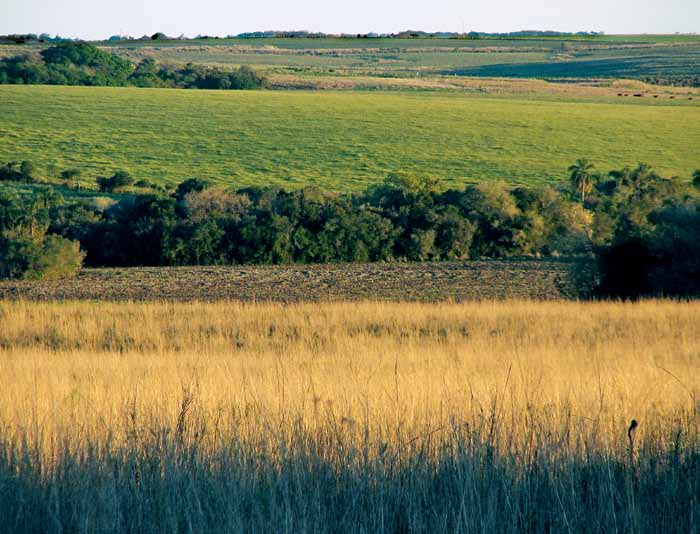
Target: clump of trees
[26,249]
[675,81]
[16,171]
[78,63]
[117,181]
[403,219]
[639,227]
[646,230]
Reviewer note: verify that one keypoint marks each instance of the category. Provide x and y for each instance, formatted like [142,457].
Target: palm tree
[582,177]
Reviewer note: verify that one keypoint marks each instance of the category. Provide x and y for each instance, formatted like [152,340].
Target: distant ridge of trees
[80,63]
[28,38]
[674,81]
[412,34]
[303,34]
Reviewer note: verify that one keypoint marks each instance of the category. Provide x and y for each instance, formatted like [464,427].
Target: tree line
[674,80]
[640,227]
[79,63]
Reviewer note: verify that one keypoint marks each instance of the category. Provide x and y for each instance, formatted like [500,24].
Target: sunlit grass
[337,141]
[376,417]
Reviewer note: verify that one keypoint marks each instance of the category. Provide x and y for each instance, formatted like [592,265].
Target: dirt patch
[458,281]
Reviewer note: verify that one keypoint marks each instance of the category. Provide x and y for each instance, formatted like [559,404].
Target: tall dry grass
[370,417]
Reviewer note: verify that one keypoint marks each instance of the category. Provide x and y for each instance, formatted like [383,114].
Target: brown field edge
[457,281]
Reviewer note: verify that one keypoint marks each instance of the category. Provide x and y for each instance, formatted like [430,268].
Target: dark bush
[119,180]
[189,186]
[18,172]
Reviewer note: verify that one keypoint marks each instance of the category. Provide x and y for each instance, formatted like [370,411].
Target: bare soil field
[457,281]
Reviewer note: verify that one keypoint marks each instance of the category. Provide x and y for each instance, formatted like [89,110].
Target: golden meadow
[365,417]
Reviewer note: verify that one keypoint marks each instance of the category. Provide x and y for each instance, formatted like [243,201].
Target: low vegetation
[493,417]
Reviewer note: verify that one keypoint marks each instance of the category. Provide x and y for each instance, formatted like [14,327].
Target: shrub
[118,180]
[27,171]
[190,186]
[47,257]
[18,172]
[70,174]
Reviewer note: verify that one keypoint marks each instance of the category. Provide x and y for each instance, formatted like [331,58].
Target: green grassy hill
[338,141]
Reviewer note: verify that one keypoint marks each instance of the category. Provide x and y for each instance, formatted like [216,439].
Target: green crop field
[582,57]
[336,140]
[635,57]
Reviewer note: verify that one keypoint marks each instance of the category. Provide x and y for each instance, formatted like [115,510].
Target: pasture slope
[337,140]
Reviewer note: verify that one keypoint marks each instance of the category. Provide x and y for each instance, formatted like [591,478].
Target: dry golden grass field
[488,416]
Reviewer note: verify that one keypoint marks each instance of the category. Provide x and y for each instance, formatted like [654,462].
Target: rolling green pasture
[335,140]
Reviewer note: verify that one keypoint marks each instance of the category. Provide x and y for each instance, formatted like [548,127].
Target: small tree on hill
[70,174]
[121,179]
[117,181]
[191,185]
[27,170]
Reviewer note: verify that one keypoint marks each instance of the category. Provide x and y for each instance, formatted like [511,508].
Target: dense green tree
[45,257]
[78,63]
[146,74]
[117,181]
[24,171]
[355,235]
[453,235]
[70,174]
[197,244]
[190,186]
[26,251]
[27,170]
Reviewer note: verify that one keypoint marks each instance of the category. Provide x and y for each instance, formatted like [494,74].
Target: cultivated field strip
[458,281]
